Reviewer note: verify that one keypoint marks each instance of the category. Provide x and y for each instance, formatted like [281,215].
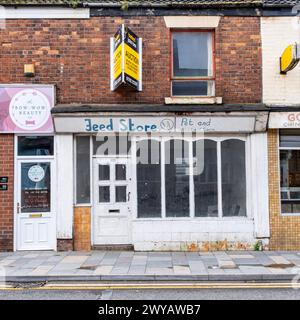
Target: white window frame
[190,140]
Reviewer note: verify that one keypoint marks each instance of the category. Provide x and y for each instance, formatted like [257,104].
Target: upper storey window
[193,63]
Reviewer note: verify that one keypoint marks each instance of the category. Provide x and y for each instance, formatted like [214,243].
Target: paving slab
[181,270]
[122,265]
[279,259]
[254,270]
[137,270]
[226,264]
[103,270]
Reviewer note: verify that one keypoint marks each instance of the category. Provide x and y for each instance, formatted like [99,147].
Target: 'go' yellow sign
[289,58]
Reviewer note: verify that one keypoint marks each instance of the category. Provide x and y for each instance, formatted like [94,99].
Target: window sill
[193,100]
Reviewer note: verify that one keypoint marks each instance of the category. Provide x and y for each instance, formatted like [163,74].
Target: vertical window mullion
[112,182]
[219,166]
[163,180]
[191,170]
[134,184]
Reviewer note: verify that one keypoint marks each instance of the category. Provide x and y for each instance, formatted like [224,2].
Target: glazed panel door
[111,220]
[35,209]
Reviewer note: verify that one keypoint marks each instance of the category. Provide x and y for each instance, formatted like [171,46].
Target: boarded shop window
[83,170]
[192,67]
[290,171]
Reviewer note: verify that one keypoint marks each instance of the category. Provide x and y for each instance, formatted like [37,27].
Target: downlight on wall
[29,70]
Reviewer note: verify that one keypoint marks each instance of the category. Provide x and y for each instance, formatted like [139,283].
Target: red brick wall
[6,197]
[74,54]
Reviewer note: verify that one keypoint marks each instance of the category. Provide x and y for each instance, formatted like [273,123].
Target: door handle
[18,207]
[128,197]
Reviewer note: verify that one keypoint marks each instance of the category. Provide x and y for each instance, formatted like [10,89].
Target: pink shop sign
[26,109]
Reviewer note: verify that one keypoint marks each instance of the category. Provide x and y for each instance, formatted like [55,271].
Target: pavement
[149,266]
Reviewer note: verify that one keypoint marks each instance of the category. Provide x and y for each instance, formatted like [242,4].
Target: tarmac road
[243,291]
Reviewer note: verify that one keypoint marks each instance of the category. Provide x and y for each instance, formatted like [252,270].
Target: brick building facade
[65,51]
[6,199]
[104,200]
[281,94]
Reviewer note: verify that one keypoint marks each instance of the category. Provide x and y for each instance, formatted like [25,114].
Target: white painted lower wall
[259,195]
[185,234]
[64,174]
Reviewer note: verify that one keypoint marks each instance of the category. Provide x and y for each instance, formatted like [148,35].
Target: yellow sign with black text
[126,51]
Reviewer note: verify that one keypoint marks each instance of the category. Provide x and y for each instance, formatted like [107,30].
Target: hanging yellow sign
[126,59]
[289,58]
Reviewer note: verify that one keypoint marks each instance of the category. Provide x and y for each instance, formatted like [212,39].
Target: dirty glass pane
[177,178]
[82,169]
[192,54]
[290,181]
[35,187]
[205,178]
[104,195]
[233,177]
[149,178]
[121,193]
[120,172]
[289,138]
[192,88]
[35,146]
[104,172]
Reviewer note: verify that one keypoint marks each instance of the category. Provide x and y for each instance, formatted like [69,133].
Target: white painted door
[35,210]
[111,220]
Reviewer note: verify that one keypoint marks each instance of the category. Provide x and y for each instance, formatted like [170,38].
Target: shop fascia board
[260,118]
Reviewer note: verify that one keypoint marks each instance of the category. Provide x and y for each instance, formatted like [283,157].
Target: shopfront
[284,147]
[165,181]
[30,162]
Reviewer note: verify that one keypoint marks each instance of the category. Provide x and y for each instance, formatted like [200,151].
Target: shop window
[290,171]
[35,146]
[83,182]
[177,178]
[192,175]
[192,67]
[149,179]
[205,178]
[233,178]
